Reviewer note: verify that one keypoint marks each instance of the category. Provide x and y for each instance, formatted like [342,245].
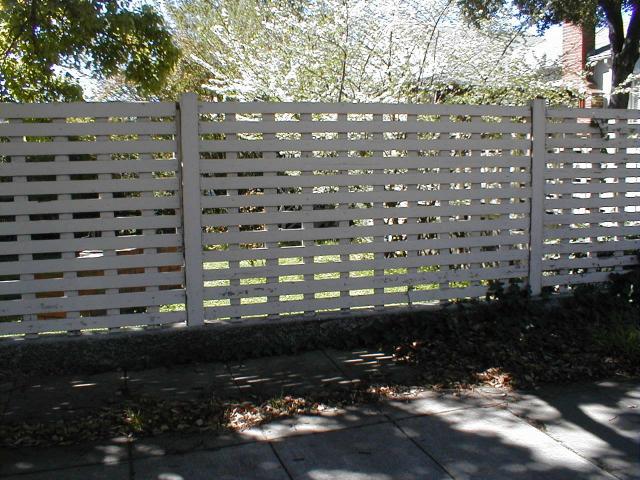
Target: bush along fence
[116,215]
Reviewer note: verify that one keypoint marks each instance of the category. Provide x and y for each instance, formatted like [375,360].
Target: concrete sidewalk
[585,431]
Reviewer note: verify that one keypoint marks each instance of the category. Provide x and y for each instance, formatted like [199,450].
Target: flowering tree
[350,50]
[624,44]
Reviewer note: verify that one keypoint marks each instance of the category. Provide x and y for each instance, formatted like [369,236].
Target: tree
[349,50]
[625,46]
[45,43]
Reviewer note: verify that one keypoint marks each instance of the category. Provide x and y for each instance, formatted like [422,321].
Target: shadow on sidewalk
[424,435]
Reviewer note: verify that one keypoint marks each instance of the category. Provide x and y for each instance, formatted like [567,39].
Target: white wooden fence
[136,214]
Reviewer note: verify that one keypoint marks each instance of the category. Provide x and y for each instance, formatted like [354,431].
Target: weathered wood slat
[220,273]
[397,262]
[555,264]
[364,231]
[362,126]
[231,201]
[89,186]
[324,215]
[596,113]
[593,156]
[592,188]
[92,243]
[359,163]
[90,302]
[343,302]
[85,323]
[593,172]
[214,146]
[87,167]
[93,264]
[51,129]
[380,108]
[223,183]
[356,283]
[593,217]
[89,205]
[100,282]
[583,247]
[89,225]
[87,148]
[575,278]
[551,233]
[592,142]
[87,109]
[617,128]
[593,202]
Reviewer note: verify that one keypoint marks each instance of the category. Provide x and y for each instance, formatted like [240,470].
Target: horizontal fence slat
[87,109]
[16,287]
[87,225]
[355,108]
[592,173]
[362,126]
[354,301]
[397,262]
[92,263]
[331,215]
[592,187]
[223,183]
[53,129]
[613,231]
[87,167]
[584,247]
[575,278]
[61,187]
[593,143]
[593,217]
[555,264]
[498,241]
[87,148]
[88,323]
[457,226]
[218,146]
[91,302]
[230,201]
[593,202]
[587,128]
[89,205]
[359,163]
[357,283]
[596,113]
[594,156]
[122,242]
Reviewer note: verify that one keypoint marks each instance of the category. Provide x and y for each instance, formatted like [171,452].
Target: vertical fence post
[538,164]
[191,210]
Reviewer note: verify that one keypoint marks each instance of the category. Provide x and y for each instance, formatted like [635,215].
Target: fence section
[90,223]
[327,208]
[116,215]
[592,195]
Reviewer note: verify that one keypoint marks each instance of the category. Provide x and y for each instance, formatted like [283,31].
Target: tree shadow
[428,435]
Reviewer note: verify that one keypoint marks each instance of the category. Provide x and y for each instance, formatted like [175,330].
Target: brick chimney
[577,42]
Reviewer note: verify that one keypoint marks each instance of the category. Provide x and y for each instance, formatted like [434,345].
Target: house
[586,65]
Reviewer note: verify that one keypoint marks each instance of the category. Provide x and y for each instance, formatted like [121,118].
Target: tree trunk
[621,67]
[624,49]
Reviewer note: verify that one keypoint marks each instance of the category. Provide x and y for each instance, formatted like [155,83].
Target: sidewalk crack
[284,467]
